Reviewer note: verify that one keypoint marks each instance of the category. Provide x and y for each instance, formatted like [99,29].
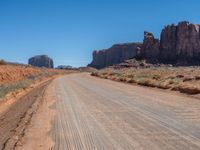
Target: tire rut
[14,122]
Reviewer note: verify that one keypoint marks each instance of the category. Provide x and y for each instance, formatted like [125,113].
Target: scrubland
[14,77]
[183,79]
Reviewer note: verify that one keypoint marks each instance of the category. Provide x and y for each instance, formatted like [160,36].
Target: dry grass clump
[183,79]
[146,82]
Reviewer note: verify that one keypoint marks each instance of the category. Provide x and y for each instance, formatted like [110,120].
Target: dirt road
[15,115]
[81,112]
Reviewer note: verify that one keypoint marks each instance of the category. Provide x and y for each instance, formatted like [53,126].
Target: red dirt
[12,73]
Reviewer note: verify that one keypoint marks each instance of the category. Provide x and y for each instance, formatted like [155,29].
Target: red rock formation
[150,47]
[41,61]
[114,55]
[180,43]
[99,59]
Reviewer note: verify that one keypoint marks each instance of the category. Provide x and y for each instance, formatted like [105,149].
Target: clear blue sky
[69,30]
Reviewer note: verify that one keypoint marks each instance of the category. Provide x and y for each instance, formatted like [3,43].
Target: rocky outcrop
[180,44]
[150,47]
[114,55]
[41,61]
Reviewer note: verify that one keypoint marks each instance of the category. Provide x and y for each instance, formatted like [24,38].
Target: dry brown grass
[183,79]
[15,77]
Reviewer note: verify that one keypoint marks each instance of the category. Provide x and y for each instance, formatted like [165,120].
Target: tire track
[17,118]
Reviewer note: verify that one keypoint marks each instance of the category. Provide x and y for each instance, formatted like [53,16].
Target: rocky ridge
[178,45]
[114,55]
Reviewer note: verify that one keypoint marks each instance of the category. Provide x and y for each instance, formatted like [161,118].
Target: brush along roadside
[14,78]
[182,79]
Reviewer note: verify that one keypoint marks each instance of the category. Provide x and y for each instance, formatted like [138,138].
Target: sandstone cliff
[178,45]
[41,61]
[114,55]
[150,47]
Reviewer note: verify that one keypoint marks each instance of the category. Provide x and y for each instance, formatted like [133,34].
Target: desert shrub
[188,78]
[122,79]
[116,74]
[163,85]
[94,74]
[179,76]
[143,76]
[105,77]
[117,78]
[156,77]
[130,75]
[5,89]
[130,80]
[197,78]
[31,77]
[148,76]
[147,82]
[2,62]
[189,89]
[175,81]
[113,77]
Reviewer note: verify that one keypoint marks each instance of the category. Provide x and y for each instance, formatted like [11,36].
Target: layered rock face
[180,44]
[114,55]
[41,61]
[150,47]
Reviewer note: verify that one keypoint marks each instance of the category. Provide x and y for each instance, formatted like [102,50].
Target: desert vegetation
[183,79]
[14,77]
[2,62]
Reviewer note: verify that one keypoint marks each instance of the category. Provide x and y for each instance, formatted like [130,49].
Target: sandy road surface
[89,113]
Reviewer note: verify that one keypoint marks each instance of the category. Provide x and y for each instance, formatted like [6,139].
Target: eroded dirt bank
[15,115]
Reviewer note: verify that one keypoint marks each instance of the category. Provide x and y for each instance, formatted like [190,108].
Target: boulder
[41,61]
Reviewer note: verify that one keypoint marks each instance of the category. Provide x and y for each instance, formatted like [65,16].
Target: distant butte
[41,61]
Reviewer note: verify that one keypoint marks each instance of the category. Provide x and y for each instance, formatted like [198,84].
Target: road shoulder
[38,135]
